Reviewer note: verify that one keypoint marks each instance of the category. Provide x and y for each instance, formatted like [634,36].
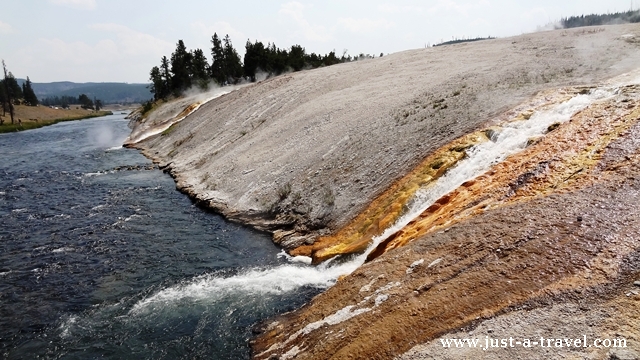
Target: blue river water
[101,257]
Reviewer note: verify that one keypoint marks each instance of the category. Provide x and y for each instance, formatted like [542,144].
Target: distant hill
[109,93]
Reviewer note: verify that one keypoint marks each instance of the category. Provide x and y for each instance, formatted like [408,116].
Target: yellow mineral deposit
[188,110]
[386,209]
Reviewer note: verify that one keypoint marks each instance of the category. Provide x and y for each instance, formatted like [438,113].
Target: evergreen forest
[185,69]
[631,16]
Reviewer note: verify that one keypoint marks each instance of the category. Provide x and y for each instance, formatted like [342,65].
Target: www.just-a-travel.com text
[491,343]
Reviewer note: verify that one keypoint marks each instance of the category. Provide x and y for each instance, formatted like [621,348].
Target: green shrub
[284,191]
[147,106]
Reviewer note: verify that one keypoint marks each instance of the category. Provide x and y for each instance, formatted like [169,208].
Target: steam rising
[173,112]
[101,136]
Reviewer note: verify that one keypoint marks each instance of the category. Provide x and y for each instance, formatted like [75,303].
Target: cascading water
[212,288]
[512,138]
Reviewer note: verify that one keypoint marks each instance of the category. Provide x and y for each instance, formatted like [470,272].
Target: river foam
[269,281]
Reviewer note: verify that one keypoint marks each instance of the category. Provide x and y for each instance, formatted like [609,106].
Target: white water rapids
[286,278]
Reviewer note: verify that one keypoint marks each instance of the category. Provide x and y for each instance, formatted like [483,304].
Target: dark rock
[553,127]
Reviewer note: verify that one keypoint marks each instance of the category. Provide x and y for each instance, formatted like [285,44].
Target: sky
[120,40]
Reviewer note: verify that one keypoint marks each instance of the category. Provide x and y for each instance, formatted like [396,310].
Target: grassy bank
[28,117]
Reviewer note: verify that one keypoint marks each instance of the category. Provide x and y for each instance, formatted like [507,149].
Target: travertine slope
[303,154]
[543,241]
[544,244]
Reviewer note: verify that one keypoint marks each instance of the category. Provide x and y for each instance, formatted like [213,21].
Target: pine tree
[164,81]
[232,64]
[296,57]
[158,86]
[313,60]
[332,59]
[277,59]
[3,94]
[166,74]
[3,100]
[85,102]
[30,97]
[254,58]
[8,92]
[199,69]
[13,88]
[180,65]
[217,60]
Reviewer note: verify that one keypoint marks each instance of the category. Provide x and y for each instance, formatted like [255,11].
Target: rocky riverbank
[329,159]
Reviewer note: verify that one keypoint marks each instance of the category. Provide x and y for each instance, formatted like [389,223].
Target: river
[101,257]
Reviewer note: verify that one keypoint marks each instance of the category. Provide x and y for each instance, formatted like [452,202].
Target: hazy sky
[120,40]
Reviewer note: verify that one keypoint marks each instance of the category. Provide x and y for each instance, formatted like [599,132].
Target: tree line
[631,16]
[11,93]
[185,69]
[458,41]
[65,101]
